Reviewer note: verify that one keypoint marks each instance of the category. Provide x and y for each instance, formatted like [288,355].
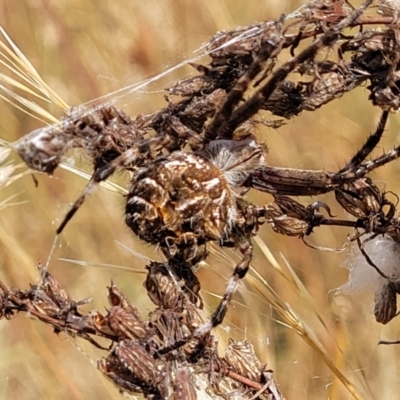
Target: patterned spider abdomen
[180,200]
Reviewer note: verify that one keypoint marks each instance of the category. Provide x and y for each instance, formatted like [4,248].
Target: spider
[185,200]
[114,140]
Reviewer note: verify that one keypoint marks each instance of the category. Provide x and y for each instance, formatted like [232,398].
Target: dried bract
[242,359]
[168,286]
[385,303]
[126,324]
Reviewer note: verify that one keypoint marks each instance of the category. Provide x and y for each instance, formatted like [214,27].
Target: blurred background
[84,50]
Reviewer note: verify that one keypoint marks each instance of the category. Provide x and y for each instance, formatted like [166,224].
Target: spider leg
[255,102]
[368,146]
[233,98]
[369,166]
[90,187]
[127,158]
[296,182]
[239,273]
[217,317]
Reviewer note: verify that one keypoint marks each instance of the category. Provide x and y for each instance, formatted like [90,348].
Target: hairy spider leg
[370,165]
[298,182]
[218,315]
[368,146]
[129,157]
[255,102]
[236,93]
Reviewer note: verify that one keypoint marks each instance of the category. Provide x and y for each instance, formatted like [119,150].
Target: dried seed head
[193,86]
[387,97]
[285,217]
[288,226]
[100,322]
[119,375]
[184,387]
[54,290]
[193,318]
[170,326]
[162,287]
[329,85]
[385,303]
[117,298]
[134,357]
[360,198]
[126,324]
[45,305]
[286,100]
[201,109]
[242,359]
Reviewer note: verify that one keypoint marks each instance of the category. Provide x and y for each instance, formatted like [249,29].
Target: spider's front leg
[302,182]
[126,159]
[290,181]
[368,146]
[246,225]
[239,236]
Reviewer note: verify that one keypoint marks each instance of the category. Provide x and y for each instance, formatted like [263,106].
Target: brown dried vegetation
[187,161]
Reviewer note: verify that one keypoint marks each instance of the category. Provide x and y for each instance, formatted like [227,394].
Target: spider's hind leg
[239,273]
[217,317]
[367,147]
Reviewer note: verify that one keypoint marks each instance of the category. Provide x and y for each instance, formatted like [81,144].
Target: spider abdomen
[180,198]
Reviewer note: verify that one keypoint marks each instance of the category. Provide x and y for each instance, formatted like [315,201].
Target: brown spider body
[184,200]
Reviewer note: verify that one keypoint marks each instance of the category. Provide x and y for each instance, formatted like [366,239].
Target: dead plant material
[133,360]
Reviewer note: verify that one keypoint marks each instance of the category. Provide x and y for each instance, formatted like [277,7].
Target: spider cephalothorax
[183,200]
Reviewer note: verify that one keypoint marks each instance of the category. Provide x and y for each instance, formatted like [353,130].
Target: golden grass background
[86,49]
